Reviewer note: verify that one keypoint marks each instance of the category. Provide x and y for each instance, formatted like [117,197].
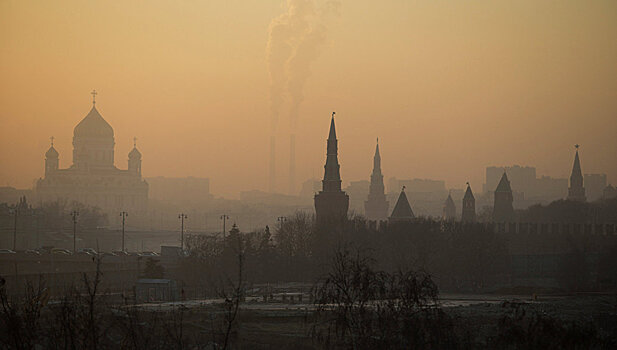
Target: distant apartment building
[310,187]
[522,178]
[357,192]
[525,184]
[594,186]
[417,185]
[12,195]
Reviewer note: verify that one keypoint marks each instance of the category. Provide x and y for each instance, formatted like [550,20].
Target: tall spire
[332,175]
[377,160]
[332,135]
[331,202]
[576,192]
[93,93]
[376,206]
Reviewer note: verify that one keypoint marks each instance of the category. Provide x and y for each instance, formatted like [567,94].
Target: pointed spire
[576,167]
[468,192]
[504,184]
[402,209]
[377,155]
[332,135]
[377,160]
[576,191]
[93,93]
[332,175]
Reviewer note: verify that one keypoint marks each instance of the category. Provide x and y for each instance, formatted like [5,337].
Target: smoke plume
[295,41]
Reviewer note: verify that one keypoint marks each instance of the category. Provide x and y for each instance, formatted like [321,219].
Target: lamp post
[124,215]
[15,213]
[74,215]
[224,217]
[182,216]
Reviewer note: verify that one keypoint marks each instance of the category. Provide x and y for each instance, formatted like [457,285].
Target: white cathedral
[93,179]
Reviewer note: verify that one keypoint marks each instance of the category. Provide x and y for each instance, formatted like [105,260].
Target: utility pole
[124,215]
[224,217]
[15,211]
[74,214]
[182,216]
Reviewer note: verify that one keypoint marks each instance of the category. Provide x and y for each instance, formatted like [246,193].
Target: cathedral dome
[93,125]
[51,153]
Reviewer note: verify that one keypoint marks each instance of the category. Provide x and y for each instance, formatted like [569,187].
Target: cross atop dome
[52,141]
[135,142]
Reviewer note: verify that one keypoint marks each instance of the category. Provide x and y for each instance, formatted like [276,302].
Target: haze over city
[308,174]
[449,88]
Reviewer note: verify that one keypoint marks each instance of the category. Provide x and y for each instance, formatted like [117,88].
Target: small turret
[51,159]
[402,210]
[503,211]
[449,208]
[135,159]
[576,191]
[469,206]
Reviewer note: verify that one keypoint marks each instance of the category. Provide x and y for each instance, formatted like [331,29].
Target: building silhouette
[503,210]
[609,192]
[402,210]
[331,203]
[594,186]
[576,191]
[376,206]
[93,179]
[449,208]
[469,206]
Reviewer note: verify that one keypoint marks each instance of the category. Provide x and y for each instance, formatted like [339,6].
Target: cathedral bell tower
[135,159]
[51,159]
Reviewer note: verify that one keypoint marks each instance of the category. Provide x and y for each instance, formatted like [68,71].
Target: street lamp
[74,215]
[124,215]
[182,216]
[15,212]
[224,217]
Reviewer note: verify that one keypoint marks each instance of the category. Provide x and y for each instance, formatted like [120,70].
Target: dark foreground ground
[285,326]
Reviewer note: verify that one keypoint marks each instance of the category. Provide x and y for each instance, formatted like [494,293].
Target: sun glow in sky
[449,87]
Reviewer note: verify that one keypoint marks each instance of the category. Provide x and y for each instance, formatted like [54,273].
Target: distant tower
[576,192]
[376,207]
[135,159]
[503,211]
[469,206]
[402,210]
[331,202]
[449,209]
[51,158]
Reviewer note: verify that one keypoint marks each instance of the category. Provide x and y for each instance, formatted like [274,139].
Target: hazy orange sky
[449,87]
